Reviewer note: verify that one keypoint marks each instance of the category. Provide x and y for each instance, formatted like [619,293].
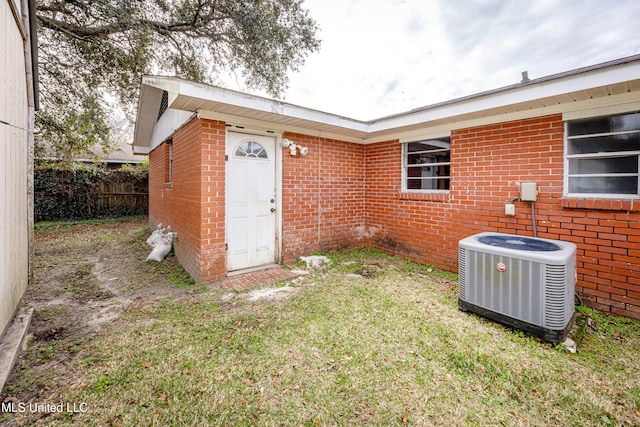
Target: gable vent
[164,104]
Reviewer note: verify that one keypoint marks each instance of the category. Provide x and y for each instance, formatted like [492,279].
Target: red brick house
[248,181]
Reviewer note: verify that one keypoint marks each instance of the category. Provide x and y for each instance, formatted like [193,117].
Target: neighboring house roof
[613,82]
[121,154]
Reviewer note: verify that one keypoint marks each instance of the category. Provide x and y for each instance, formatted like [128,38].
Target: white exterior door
[250,200]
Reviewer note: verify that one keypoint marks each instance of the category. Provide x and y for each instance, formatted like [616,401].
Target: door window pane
[251,149]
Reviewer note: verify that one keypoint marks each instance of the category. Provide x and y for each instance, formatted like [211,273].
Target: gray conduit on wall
[533,219]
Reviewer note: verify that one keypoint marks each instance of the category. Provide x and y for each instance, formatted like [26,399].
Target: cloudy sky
[381,57]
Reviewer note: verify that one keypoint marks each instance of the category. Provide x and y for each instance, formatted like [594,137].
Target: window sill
[430,197]
[168,185]
[629,205]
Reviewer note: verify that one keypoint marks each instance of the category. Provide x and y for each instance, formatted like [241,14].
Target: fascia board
[148,107]
[275,127]
[139,149]
[385,128]
[543,88]
[260,104]
[603,109]
[611,104]
[509,96]
[170,84]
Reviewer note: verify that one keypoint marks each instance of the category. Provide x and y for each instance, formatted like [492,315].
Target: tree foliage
[93,49]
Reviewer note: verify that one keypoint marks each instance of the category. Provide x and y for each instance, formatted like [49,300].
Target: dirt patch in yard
[86,276]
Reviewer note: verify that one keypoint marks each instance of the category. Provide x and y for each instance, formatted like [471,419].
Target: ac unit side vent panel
[530,289]
[462,276]
[555,290]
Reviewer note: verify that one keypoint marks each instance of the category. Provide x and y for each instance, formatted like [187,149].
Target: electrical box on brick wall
[510,209]
[528,192]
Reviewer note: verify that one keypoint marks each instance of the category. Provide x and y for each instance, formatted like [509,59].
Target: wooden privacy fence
[124,197]
[63,194]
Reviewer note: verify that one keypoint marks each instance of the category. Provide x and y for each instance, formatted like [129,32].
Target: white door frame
[278,180]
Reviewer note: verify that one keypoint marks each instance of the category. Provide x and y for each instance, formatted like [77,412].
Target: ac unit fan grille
[555,295]
[462,274]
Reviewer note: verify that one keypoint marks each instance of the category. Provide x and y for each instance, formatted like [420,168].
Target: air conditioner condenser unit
[524,282]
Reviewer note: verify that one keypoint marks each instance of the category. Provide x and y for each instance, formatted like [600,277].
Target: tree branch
[85,33]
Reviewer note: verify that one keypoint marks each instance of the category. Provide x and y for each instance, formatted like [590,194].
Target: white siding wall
[14,229]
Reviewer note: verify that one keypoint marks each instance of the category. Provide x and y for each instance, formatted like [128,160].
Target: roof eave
[147,116]
[195,97]
[615,72]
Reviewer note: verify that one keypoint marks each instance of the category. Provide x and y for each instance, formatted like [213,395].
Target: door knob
[273,209]
[273,200]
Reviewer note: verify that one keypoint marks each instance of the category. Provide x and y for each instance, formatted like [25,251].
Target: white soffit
[148,107]
[590,87]
[537,94]
[200,97]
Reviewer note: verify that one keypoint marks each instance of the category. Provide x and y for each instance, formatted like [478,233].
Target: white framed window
[603,156]
[426,165]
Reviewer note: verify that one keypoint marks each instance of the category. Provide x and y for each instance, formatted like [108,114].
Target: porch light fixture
[285,143]
[293,148]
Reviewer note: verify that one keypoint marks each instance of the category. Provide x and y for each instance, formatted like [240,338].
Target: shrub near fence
[85,193]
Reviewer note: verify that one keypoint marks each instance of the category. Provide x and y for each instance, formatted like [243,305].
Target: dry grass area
[370,340]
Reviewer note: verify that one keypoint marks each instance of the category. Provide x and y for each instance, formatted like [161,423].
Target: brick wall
[344,195]
[487,166]
[322,197]
[157,160]
[213,262]
[193,203]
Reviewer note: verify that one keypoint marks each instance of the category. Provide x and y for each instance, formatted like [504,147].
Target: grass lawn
[371,340]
